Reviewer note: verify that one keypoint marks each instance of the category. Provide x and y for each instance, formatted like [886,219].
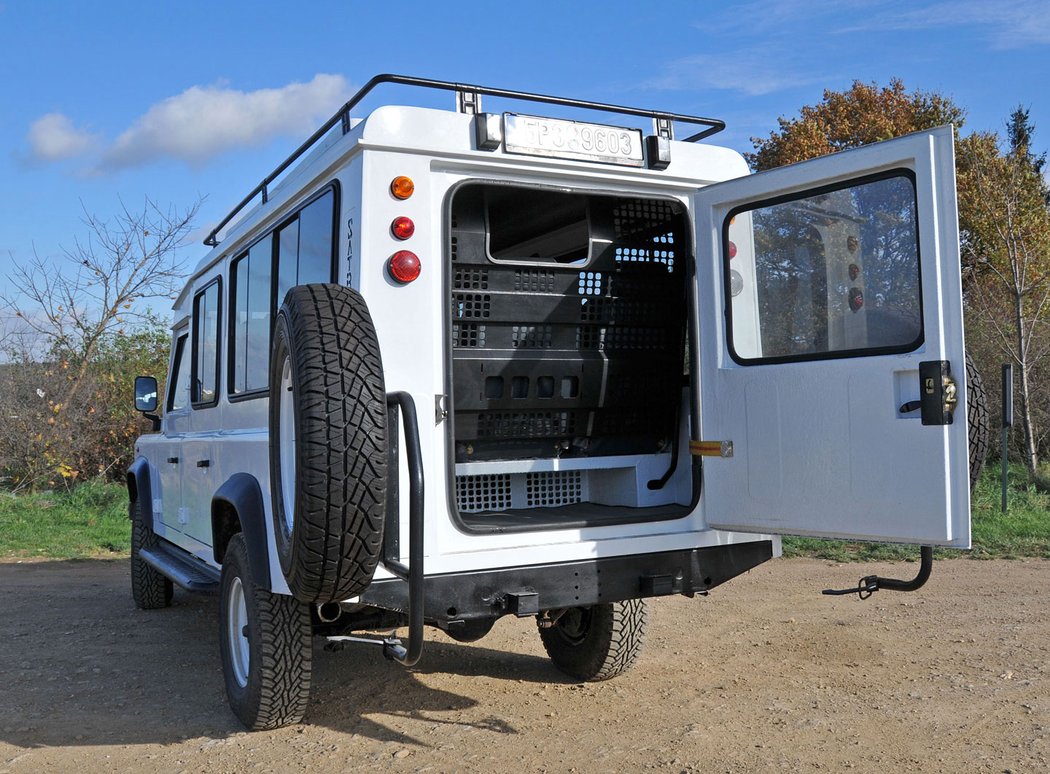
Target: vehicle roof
[418,129]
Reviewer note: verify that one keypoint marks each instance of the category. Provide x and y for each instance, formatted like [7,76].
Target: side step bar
[181,569]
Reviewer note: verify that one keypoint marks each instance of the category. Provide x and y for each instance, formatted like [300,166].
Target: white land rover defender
[620,364]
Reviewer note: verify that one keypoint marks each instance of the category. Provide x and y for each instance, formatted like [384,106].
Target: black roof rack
[469,101]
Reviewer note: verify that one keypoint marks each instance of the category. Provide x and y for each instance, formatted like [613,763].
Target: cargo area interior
[567,315]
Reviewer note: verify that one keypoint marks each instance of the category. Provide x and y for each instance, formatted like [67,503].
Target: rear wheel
[149,588]
[265,641]
[597,642]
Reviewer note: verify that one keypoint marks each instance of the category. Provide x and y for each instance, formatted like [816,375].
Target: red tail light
[402,227]
[404,266]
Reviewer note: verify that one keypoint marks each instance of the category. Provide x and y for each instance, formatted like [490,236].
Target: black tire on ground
[597,642]
[149,589]
[328,442]
[265,642]
[977,419]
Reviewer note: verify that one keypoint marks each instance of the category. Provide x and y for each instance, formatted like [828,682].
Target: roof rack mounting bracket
[468,101]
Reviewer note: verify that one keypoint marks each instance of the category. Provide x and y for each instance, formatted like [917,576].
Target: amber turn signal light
[402,187]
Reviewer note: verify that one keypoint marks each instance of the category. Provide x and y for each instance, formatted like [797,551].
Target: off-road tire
[324,334]
[149,589]
[598,642]
[279,648]
[977,420]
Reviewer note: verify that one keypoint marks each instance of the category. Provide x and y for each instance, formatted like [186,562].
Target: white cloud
[744,73]
[194,126]
[53,137]
[1007,23]
[204,121]
[778,19]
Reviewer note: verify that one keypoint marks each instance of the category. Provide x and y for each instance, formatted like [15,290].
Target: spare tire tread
[977,420]
[341,443]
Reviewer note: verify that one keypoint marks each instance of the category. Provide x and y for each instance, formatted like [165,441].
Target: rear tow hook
[869,584]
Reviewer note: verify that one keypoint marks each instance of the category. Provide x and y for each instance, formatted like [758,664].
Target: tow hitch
[869,584]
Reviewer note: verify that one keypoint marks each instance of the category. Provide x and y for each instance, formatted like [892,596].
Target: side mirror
[146,399]
[145,393]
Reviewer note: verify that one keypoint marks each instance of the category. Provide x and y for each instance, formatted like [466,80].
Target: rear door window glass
[831,273]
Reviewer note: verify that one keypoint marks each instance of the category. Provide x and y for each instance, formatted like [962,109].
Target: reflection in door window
[250,312]
[826,273]
[206,346]
[179,381]
[304,247]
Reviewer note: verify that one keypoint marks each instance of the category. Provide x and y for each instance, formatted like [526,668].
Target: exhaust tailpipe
[329,612]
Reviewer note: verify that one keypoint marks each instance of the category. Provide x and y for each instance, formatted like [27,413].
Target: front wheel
[149,589]
[265,641]
[597,642]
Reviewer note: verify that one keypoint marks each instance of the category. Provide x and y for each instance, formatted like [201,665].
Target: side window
[287,259]
[300,251]
[316,223]
[179,378]
[204,389]
[827,273]
[304,246]
[250,318]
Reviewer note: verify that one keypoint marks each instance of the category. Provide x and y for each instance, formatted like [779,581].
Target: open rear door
[832,372]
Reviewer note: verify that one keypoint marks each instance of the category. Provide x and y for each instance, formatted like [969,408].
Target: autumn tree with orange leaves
[1003,218]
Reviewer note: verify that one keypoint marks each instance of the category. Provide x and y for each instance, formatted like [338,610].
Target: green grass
[90,521]
[1024,531]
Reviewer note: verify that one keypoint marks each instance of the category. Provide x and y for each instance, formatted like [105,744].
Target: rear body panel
[611,510]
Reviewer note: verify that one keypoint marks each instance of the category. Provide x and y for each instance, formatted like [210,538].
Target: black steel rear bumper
[525,591]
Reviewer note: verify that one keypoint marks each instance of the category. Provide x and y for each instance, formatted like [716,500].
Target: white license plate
[553,137]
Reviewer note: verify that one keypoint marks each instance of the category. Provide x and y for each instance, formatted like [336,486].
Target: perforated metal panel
[505,491]
[489,492]
[552,488]
[544,356]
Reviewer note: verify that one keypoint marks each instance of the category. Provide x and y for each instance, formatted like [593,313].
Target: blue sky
[111,101]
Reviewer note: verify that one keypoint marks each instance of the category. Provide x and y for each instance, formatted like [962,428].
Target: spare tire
[977,420]
[328,443]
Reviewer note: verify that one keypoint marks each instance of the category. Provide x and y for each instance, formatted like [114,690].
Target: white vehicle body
[817,442]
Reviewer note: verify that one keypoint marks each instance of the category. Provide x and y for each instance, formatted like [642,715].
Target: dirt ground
[764,674]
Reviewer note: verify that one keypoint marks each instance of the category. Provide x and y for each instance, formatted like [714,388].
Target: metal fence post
[1008,420]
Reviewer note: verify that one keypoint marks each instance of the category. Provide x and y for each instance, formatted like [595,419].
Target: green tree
[1006,249]
[84,330]
[1002,218]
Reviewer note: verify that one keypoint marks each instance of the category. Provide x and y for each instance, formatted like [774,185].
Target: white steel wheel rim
[286,418]
[237,633]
